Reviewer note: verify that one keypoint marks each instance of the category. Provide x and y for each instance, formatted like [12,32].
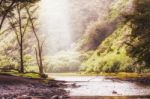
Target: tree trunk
[41,62]
[21,41]
[21,58]
[39,46]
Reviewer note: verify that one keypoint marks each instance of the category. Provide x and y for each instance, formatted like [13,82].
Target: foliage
[139,43]
[126,48]
[63,62]
[109,63]
[16,35]
[117,8]
[7,8]
[121,43]
[15,73]
[97,31]
[111,55]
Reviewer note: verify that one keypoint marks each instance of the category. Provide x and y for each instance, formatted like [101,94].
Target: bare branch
[1,2]
[6,12]
[1,33]
[31,21]
[15,31]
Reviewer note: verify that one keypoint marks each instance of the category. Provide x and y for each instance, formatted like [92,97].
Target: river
[102,86]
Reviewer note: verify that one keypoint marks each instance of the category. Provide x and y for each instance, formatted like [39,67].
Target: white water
[100,86]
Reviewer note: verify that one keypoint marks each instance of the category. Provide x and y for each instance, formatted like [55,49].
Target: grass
[126,75]
[118,75]
[15,73]
[26,75]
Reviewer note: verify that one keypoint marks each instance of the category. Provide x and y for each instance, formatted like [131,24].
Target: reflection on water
[100,86]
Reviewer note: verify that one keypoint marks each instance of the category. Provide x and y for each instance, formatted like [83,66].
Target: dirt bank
[25,88]
[139,80]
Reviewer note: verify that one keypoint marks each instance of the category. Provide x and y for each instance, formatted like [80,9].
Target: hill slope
[113,44]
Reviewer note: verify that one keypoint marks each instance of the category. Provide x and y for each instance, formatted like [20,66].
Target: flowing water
[101,86]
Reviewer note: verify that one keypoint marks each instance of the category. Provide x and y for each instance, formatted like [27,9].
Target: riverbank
[143,78]
[31,88]
[120,75]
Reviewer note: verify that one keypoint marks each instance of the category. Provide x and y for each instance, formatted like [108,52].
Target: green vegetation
[139,41]
[15,73]
[117,8]
[118,44]
[121,75]
[126,48]
[116,40]
[108,39]
[63,62]
[111,55]
[18,28]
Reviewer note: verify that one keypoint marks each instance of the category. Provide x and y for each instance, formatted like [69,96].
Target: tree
[19,29]
[7,8]
[20,23]
[139,43]
[39,48]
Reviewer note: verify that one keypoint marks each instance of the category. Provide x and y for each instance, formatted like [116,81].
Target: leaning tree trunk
[39,59]
[39,46]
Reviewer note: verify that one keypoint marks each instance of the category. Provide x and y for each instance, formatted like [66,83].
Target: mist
[54,18]
[64,21]
[65,24]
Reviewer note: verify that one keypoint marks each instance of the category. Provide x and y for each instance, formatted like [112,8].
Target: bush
[127,68]
[110,62]
[114,67]
[63,62]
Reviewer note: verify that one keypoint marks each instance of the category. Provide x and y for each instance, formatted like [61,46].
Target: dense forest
[121,43]
[110,38]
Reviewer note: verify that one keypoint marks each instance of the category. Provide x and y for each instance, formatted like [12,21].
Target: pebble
[114,92]
[55,97]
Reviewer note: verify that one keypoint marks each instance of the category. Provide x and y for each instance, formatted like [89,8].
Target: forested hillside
[105,37]
[121,42]
[82,14]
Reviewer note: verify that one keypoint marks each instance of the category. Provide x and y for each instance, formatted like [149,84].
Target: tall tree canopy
[7,8]
[139,44]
